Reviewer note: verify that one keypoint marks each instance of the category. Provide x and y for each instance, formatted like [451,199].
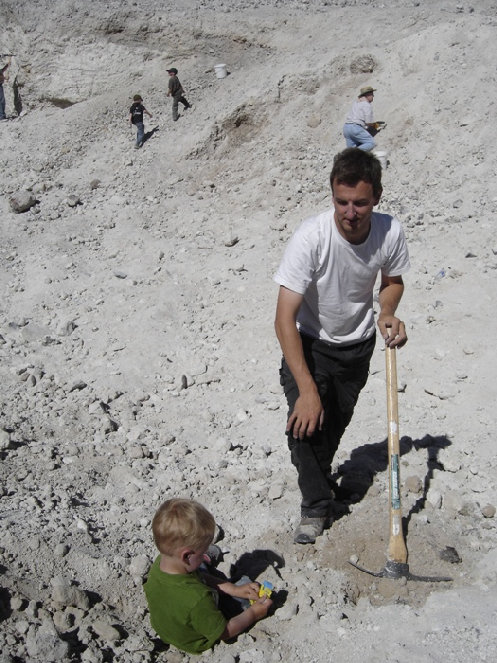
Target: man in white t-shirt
[325,322]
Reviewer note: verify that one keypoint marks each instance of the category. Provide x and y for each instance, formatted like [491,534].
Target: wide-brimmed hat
[173,70]
[366,90]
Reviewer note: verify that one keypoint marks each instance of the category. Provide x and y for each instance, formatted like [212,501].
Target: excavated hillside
[138,357]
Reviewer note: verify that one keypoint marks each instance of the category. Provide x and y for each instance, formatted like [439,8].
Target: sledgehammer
[396,566]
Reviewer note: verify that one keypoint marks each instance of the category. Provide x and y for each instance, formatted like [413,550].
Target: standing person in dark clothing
[3,77]
[325,322]
[136,117]
[175,90]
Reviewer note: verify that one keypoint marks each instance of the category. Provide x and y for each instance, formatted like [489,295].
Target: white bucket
[221,71]
[382,157]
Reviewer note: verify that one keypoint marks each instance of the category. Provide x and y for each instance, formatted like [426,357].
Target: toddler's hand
[249,590]
[261,607]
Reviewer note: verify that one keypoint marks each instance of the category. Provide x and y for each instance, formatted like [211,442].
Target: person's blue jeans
[2,103]
[356,136]
[140,132]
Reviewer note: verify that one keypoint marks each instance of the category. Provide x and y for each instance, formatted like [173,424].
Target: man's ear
[377,198]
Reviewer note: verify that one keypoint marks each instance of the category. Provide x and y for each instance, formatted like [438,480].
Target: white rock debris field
[138,358]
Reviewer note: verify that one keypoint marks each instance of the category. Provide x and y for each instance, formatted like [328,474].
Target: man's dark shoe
[308,529]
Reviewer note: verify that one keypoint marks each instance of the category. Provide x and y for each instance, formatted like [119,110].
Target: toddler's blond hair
[182,523]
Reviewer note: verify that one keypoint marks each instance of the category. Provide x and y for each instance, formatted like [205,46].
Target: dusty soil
[138,358]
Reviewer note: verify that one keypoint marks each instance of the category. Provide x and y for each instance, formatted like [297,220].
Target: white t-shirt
[337,278]
[361,113]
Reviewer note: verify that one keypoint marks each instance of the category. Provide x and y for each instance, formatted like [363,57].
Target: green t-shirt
[182,609]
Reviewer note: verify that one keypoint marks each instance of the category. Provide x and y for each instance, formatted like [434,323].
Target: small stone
[227,658]
[82,525]
[66,328]
[109,425]
[414,485]
[76,614]
[78,385]
[65,594]
[453,501]
[4,439]
[252,656]
[73,200]
[468,509]
[288,611]
[314,121]
[16,603]
[44,644]
[242,416]
[21,626]
[96,407]
[62,620]
[362,64]
[139,566]
[450,554]
[61,549]
[434,498]
[488,511]
[22,202]
[135,452]
[275,492]
[451,465]
[106,631]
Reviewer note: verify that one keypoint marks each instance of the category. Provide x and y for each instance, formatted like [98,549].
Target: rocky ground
[138,358]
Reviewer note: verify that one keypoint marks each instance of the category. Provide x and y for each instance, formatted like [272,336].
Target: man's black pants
[340,373]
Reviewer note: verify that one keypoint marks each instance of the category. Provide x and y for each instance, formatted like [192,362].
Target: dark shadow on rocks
[159,649]
[13,445]
[432,446]
[254,563]
[93,597]
[149,134]
[107,655]
[17,97]
[76,647]
[279,599]
[5,609]
[355,476]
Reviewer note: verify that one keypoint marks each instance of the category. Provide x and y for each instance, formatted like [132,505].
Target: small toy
[266,589]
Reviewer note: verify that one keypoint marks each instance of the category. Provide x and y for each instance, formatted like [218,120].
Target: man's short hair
[182,523]
[354,165]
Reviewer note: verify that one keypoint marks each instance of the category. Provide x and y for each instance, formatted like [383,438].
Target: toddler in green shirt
[182,599]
